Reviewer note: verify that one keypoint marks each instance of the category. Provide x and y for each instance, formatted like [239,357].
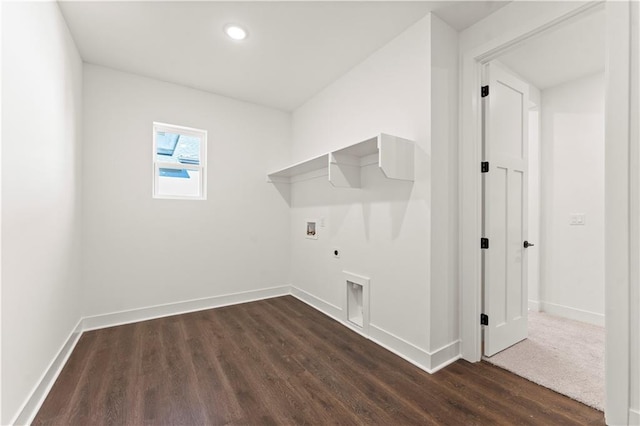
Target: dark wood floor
[279,361]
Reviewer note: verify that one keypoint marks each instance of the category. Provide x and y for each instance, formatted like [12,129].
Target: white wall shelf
[394,156]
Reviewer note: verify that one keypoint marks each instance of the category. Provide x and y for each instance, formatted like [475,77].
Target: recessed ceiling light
[235,32]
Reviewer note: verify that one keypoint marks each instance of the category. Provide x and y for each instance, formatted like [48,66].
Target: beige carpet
[560,354]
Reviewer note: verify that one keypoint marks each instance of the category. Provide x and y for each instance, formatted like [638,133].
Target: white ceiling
[293,51]
[570,52]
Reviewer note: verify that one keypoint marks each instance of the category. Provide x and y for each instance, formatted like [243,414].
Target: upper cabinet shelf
[392,154]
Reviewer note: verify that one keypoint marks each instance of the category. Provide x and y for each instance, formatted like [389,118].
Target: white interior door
[505,209]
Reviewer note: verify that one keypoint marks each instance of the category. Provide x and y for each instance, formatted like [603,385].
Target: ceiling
[293,51]
[572,51]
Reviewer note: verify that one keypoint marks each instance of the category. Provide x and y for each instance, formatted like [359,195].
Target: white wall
[140,251]
[386,222]
[445,327]
[572,270]
[388,92]
[41,129]
[514,19]
[384,230]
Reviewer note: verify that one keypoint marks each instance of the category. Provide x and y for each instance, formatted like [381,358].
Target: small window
[179,157]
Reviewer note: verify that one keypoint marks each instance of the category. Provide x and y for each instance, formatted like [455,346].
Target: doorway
[617,188]
[553,210]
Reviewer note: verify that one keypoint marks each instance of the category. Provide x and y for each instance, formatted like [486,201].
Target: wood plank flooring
[278,361]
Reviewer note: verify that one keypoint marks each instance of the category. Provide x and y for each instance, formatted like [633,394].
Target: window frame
[157,165]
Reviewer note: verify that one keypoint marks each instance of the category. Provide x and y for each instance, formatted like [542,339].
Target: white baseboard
[427,361]
[32,404]
[160,311]
[323,306]
[445,355]
[634,417]
[572,313]
[406,350]
[534,305]
[332,311]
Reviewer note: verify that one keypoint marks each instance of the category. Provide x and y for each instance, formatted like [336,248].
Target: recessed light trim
[235,32]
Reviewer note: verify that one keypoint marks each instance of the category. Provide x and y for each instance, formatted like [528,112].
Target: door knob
[528,244]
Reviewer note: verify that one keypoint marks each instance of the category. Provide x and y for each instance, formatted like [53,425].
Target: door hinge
[484,243]
[484,91]
[484,319]
[484,167]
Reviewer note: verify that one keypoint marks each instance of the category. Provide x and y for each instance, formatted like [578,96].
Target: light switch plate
[577,219]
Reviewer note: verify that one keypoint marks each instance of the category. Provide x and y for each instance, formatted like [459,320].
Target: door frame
[620,189]
[536,237]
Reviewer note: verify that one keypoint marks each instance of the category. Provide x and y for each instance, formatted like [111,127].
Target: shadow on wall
[284,189]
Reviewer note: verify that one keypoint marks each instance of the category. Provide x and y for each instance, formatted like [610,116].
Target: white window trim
[187,131]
